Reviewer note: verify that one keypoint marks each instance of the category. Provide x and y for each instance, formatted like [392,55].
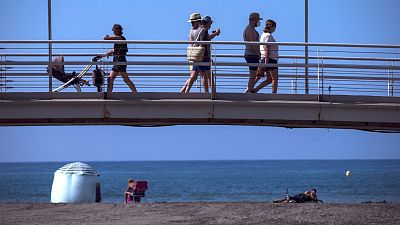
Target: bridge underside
[159,109]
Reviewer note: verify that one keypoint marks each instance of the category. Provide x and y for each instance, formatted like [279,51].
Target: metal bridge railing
[161,66]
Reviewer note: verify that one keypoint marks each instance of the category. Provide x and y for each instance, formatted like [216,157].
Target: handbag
[195,53]
[98,77]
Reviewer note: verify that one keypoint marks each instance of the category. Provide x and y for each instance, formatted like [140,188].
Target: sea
[218,181]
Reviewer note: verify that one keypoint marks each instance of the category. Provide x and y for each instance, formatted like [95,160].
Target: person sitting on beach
[306,197]
[130,191]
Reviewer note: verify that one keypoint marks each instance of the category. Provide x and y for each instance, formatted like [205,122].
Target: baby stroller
[59,73]
[74,79]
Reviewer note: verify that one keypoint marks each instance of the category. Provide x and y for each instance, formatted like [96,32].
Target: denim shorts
[201,68]
[252,59]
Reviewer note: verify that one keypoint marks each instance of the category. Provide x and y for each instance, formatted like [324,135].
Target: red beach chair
[141,188]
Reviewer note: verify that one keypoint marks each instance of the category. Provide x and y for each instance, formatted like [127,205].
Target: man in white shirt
[269,55]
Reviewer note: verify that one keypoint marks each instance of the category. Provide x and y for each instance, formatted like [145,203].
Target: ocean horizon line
[196,160]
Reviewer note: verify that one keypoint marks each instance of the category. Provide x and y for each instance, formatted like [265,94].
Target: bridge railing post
[393,78]
[318,75]
[322,74]
[213,80]
[306,71]
[294,78]
[390,79]
[50,66]
[3,73]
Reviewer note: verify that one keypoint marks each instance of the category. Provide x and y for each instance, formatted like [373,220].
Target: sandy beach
[198,213]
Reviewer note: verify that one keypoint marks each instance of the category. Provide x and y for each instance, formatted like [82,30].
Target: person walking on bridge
[269,55]
[195,19]
[252,53]
[205,71]
[119,53]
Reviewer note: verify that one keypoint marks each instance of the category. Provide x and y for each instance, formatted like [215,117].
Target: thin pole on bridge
[50,45]
[306,46]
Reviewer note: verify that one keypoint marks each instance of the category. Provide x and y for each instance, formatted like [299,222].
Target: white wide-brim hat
[194,17]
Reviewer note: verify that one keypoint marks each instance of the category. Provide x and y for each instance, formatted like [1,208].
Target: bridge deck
[158,109]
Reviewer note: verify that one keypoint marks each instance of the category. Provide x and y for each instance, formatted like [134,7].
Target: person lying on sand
[306,197]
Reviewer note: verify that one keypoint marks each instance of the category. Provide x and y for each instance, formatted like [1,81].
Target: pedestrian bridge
[321,85]
[158,109]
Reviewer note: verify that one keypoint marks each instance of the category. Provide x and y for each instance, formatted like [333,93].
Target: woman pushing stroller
[119,53]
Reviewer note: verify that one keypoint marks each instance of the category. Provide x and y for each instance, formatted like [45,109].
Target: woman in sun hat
[205,71]
[194,19]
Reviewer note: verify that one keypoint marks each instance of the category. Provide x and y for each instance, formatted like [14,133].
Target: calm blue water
[182,181]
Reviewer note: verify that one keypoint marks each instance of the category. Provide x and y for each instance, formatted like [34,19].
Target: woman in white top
[269,55]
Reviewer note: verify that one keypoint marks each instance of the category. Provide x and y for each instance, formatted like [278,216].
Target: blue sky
[355,21]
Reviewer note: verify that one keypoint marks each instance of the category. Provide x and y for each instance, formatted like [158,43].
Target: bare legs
[128,82]
[205,80]
[252,81]
[110,81]
[126,79]
[272,77]
[189,82]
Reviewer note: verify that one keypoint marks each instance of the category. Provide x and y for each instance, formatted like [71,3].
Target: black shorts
[252,59]
[270,61]
[119,68]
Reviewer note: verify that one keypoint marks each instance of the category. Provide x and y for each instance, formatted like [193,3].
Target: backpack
[98,78]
